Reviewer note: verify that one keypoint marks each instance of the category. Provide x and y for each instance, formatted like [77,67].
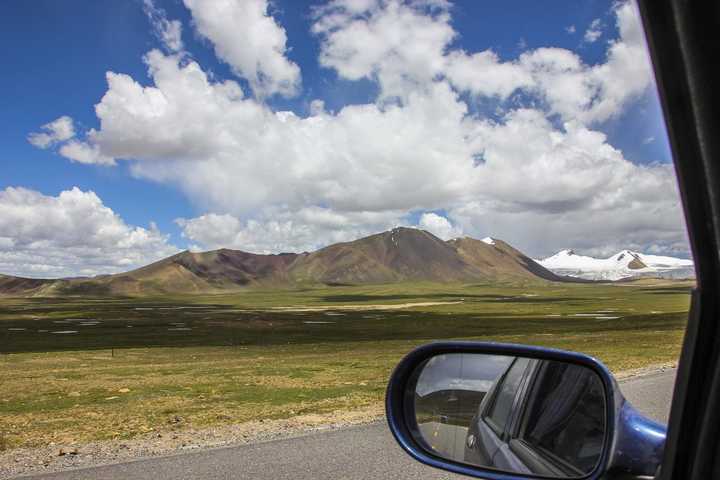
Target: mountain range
[623,265]
[398,255]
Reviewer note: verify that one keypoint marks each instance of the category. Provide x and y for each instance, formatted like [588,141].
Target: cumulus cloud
[401,45]
[248,38]
[196,133]
[169,32]
[83,152]
[406,46]
[56,131]
[274,181]
[593,32]
[73,233]
[439,226]
[637,217]
[484,74]
[279,230]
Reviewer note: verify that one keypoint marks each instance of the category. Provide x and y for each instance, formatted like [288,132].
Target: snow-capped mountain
[624,264]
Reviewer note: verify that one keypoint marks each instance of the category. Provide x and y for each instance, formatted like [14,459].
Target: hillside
[398,255]
[499,261]
[401,254]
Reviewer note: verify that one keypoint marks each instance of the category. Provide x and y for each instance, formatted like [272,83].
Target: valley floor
[86,370]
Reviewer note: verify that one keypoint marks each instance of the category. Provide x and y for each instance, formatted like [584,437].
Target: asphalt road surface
[365,452]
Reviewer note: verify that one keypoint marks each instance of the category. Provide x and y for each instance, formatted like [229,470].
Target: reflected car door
[546,434]
[497,413]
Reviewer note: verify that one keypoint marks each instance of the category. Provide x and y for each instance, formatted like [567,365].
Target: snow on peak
[488,240]
[623,264]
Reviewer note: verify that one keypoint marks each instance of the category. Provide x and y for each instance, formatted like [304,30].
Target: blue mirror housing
[633,444]
[638,442]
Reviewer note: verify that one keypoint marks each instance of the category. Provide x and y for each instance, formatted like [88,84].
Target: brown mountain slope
[501,262]
[10,285]
[398,255]
[401,254]
[190,272]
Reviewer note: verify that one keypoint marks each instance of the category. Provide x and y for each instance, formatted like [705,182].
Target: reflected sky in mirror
[459,371]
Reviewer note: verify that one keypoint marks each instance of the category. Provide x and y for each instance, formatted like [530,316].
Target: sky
[132,130]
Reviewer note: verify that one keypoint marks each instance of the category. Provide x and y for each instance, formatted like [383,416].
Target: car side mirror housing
[502,411]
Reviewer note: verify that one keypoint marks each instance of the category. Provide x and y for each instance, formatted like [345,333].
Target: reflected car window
[503,402]
[565,421]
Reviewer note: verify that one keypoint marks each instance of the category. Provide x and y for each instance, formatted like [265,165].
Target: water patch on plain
[65,332]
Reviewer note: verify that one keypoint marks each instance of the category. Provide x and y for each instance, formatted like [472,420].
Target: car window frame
[527,452]
[503,433]
[518,434]
[683,42]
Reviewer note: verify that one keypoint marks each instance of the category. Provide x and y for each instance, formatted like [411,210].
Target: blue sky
[57,55]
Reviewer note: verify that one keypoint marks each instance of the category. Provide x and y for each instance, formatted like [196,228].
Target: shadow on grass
[668,290]
[67,325]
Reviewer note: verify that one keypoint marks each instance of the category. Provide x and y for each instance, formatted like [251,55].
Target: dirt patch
[396,306]
[647,370]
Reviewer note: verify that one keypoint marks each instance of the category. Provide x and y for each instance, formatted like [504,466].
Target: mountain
[623,265]
[399,255]
[499,261]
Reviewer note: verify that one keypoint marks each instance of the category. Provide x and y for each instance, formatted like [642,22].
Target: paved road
[353,453]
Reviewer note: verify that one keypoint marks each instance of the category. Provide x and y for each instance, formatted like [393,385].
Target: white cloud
[597,93]
[169,32]
[484,74]
[570,29]
[401,45]
[70,234]
[439,226]
[248,39]
[278,230]
[190,131]
[569,189]
[627,72]
[636,217]
[274,181]
[593,32]
[83,152]
[56,131]
[405,47]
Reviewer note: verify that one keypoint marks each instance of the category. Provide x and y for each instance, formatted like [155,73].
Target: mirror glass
[513,414]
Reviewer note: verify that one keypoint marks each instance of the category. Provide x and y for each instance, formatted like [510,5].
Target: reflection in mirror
[517,415]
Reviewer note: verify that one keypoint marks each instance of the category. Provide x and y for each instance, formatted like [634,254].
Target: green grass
[241,360]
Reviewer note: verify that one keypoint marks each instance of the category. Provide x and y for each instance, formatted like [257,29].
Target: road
[352,453]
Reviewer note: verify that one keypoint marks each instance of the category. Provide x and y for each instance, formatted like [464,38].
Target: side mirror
[512,411]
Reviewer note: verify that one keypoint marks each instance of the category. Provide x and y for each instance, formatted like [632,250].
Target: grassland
[157,364]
